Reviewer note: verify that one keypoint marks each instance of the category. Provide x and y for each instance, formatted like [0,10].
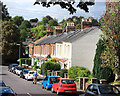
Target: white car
[29,75]
[18,70]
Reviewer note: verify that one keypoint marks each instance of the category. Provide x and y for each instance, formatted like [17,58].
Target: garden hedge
[75,72]
[62,71]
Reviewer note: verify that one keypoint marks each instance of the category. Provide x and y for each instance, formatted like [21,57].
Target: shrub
[62,71]
[50,65]
[107,73]
[49,56]
[75,72]
[35,65]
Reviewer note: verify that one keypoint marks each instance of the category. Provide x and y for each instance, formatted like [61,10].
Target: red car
[64,85]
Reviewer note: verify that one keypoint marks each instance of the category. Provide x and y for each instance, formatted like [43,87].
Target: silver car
[102,90]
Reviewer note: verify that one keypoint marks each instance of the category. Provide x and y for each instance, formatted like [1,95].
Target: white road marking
[29,94]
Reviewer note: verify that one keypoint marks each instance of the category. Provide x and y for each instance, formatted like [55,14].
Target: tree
[4,12]
[34,20]
[110,25]
[98,60]
[25,24]
[78,26]
[67,5]
[53,22]
[24,33]
[9,42]
[17,20]
[38,31]
[45,21]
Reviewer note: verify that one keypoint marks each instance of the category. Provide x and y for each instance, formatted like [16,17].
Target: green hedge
[75,72]
[62,71]
[50,65]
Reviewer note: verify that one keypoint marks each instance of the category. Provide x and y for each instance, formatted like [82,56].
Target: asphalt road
[23,87]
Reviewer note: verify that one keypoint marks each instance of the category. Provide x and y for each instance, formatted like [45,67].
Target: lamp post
[19,50]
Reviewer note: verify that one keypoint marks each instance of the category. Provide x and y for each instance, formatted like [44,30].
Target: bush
[107,73]
[49,56]
[35,65]
[76,72]
[62,71]
[50,65]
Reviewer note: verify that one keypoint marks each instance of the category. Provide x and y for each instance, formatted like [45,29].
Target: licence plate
[68,91]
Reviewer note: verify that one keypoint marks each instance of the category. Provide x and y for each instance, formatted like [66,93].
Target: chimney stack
[86,23]
[70,27]
[49,30]
[58,29]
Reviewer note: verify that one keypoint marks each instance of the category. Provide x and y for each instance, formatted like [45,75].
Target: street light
[19,50]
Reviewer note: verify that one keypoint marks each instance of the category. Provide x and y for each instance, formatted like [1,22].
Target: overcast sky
[26,9]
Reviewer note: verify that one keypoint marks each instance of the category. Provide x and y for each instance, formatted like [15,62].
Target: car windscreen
[53,79]
[108,90]
[67,81]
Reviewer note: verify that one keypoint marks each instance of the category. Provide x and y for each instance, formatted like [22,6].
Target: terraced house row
[70,48]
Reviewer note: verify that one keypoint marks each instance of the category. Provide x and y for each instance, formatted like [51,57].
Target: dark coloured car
[23,72]
[2,84]
[11,67]
[6,91]
[101,90]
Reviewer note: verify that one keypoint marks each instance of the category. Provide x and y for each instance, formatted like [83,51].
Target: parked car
[18,70]
[101,90]
[7,91]
[23,73]
[15,68]
[29,75]
[11,67]
[2,84]
[48,81]
[64,85]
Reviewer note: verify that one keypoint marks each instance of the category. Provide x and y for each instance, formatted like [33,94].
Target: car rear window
[31,72]
[67,81]
[26,71]
[108,90]
[14,65]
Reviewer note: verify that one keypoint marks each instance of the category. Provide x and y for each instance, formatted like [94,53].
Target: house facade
[74,48]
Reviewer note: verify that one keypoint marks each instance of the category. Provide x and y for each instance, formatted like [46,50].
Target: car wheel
[52,90]
[46,87]
[58,92]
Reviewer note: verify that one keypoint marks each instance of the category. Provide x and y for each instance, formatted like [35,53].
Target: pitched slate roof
[64,37]
[77,35]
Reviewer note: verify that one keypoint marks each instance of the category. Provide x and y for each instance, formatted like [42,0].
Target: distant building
[86,23]
[70,27]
